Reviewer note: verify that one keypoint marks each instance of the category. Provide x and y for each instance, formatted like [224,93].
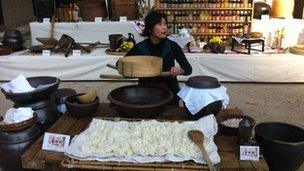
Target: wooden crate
[119,8]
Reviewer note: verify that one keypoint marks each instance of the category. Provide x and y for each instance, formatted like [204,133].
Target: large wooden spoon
[198,138]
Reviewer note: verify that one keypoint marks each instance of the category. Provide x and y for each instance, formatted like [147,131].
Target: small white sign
[46,20]
[123,18]
[76,52]
[264,17]
[249,153]
[98,19]
[46,53]
[55,142]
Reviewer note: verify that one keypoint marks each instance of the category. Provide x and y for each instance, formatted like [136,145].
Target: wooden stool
[248,44]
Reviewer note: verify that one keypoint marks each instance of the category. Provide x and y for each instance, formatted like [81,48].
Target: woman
[157,44]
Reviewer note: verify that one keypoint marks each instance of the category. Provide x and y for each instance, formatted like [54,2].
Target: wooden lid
[203,82]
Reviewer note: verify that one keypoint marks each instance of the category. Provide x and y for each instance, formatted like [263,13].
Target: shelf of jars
[200,9]
[207,18]
[202,4]
[211,21]
[207,31]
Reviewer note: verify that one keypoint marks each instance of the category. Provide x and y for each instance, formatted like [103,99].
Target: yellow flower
[216,39]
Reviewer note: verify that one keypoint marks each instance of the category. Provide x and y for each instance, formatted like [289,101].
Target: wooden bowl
[79,110]
[140,66]
[17,127]
[139,101]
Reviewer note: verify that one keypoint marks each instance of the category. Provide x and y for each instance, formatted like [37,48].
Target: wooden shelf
[190,8]
[213,34]
[201,9]
[212,21]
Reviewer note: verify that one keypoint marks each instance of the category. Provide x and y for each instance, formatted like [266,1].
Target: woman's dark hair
[151,20]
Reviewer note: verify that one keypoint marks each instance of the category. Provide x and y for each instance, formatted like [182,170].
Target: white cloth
[196,99]
[226,67]
[240,39]
[207,125]
[18,115]
[181,41]
[85,32]
[18,85]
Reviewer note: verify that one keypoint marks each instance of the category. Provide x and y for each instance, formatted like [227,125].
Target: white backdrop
[86,32]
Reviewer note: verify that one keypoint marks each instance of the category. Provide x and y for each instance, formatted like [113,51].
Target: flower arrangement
[215,45]
[216,39]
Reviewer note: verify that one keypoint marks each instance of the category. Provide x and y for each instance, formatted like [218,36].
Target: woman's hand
[175,71]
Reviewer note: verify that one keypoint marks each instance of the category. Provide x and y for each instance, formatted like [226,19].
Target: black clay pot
[282,145]
[261,8]
[13,42]
[212,108]
[140,101]
[12,33]
[41,100]
[115,40]
[12,145]
[204,82]
[22,99]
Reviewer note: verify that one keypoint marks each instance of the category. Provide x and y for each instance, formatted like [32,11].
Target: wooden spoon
[198,138]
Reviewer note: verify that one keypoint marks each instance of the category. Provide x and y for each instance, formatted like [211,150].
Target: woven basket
[296,51]
[16,127]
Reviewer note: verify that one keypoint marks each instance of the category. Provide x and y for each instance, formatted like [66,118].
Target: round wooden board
[115,53]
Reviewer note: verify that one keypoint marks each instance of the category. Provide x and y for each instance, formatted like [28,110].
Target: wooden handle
[68,49]
[206,156]
[52,27]
[112,66]
[165,74]
[113,77]
[78,46]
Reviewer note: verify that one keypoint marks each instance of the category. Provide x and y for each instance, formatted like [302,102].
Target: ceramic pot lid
[203,82]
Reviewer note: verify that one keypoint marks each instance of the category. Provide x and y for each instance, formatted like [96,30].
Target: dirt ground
[263,102]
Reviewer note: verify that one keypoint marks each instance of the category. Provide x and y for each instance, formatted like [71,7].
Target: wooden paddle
[198,138]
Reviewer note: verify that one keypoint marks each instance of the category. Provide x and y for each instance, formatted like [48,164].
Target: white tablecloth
[86,32]
[226,67]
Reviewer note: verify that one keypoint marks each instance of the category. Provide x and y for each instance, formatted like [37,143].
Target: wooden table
[248,45]
[36,158]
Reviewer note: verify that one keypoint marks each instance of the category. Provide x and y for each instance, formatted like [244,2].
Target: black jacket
[170,52]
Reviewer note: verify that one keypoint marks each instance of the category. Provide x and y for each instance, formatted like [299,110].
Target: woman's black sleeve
[134,51]
[182,60]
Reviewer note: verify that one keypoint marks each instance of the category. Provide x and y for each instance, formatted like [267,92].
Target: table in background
[36,158]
